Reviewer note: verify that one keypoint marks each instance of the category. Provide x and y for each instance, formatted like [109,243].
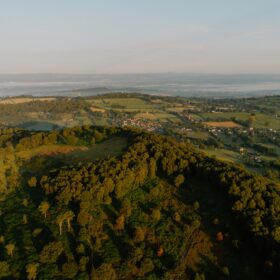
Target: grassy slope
[223,154]
[261,119]
[47,157]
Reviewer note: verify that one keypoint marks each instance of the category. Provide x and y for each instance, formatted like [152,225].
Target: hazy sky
[122,36]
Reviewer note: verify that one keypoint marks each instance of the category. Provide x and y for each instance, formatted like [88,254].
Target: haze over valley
[168,84]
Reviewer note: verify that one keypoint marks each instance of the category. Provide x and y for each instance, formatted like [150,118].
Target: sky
[132,36]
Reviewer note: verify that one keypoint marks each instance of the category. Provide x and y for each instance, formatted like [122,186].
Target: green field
[201,135]
[128,103]
[136,110]
[179,109]
[196,117]
[44,157]
[39,126]
[111,147]
[157,116]
[107,148]
[223,154]
[261,120]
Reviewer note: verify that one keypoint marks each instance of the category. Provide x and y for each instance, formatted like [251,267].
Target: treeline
[59,105]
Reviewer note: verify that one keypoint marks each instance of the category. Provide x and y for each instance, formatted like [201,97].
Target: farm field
[261,120]
[226,124]
[97,109]
[196,117]
[201,135]
[179,109]
[39,126]
[136,110]
[128,103]
[25,100]
[223,154]
[157,116]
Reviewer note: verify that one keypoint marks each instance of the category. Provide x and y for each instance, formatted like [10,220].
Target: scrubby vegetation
[156,209]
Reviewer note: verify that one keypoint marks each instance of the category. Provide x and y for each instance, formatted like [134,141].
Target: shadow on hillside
[217,217]
[54,157]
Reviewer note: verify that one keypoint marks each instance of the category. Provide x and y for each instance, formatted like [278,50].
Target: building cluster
[184,129]
[148,125]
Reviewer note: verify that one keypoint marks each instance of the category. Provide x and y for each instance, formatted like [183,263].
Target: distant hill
[173,84]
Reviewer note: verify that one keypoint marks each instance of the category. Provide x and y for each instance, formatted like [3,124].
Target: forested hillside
[146,207]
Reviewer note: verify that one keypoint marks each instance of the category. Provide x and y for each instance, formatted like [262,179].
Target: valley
[244,131]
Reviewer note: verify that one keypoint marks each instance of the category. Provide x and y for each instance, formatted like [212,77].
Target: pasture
[25,100]
[97,109]
[107,148]
[42,158]
[110,147]
[224,155]
[199,135]
[157,116]
[179,109]
[261,120]
[39,126]
[125,104]
[225,124]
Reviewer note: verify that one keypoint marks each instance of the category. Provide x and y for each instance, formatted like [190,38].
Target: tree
[120,222]
[80,249]
[10,249]
[147,265]
[59,221]
[69,216]
[83,218]
[31,270]
[44,208]
[32,182]
[51,252]
[4,269]
[70,270]
[160,252]
[276,233]
[199,276]
[25,219]
[71,140]
[177,217]
[179,180]
[83,263]
[156,214]
[196,205]
[140,234]
[25,202]
[219,236]
[104,272]
[152,168]
[226,271]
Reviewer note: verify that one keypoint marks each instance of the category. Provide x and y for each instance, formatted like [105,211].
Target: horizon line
[143,73]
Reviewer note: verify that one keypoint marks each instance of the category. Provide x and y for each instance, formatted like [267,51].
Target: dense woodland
[160,210]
